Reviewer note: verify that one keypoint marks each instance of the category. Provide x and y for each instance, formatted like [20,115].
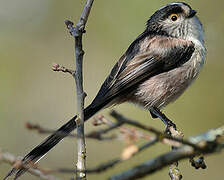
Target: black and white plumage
[154,71]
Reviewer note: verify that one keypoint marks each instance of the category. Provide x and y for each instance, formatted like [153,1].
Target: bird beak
[192,13]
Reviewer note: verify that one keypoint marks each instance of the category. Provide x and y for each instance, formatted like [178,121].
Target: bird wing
[146,57]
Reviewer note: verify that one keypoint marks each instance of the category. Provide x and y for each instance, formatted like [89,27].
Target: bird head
[177,20]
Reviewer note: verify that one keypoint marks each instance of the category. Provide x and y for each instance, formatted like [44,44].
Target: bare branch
[205,143]
[105,166]
[12,160]
[113,125]
[77,33]
[97,135]
[163,137]
[210,142]
[59,68]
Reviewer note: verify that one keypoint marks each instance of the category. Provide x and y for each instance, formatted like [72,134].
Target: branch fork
[75,31]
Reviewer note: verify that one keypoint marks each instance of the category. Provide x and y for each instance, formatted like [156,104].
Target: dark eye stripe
[174,10]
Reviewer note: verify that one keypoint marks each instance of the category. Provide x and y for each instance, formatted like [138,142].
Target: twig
[102,120]
[97,135]
[113,125]
[59,68]
[211,142]
[11,159]
[105,166]
[155,164]
[77,33]
[163,137]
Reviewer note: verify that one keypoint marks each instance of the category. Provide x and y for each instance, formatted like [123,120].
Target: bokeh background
[33,36]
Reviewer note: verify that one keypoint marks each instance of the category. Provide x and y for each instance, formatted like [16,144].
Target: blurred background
[33,36]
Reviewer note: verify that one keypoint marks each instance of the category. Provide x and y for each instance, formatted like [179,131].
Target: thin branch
[205,143]
[174,138]
[113,125]
[77,33]
[102,120]
[163,137]
[59,68]
[107,165]
[155,164]
[211,142]
[97,135]
[12,160]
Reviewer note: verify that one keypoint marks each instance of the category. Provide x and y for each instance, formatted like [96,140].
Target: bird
[157,67]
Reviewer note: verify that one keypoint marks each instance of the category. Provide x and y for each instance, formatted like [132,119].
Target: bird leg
[156,113]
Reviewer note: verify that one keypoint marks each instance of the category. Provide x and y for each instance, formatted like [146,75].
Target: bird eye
[173,17]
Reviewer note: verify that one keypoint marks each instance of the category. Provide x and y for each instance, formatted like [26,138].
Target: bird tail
[41,150]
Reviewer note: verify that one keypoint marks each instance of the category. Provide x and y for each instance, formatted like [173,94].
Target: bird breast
[162,89]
